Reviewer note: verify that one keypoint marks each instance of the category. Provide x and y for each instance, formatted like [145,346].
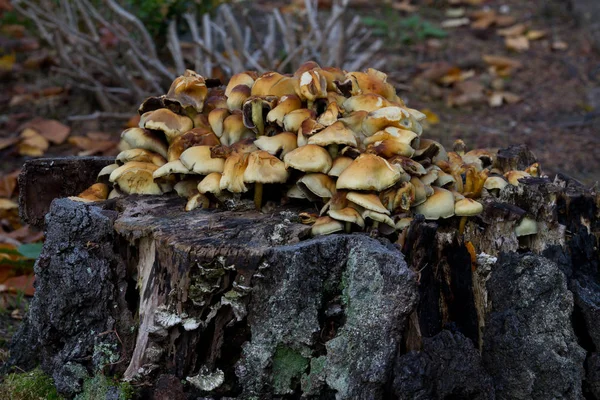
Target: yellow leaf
[32,144]
[7,62]
[431,117]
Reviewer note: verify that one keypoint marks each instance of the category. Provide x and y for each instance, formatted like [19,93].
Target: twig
[99,115]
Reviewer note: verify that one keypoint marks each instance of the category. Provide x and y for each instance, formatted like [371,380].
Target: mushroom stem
[258,192]
[257,117]
[461,225]
[348,226]
[333,150]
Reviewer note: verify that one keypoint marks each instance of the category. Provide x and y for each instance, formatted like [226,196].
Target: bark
[240,304]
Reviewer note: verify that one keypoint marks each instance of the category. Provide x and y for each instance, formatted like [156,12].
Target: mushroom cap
[339,165]
[393,133]
[216,118]
[285,105]
[403,223]
[391,147]
[336,133]
[307,66]
[330,115]
[431,149]
[495,182]
[420,191]
[167,121]
[136,178]
[443,179]
[431,175]
[371,81]
[139,138]
[96,192]
[379,217]
[189,90]
[141,155]
[347,214]
[232,178]
[106,171]
[409,165]
[527,226]
[325,226]
[197,201]
[366,102]
[274,84]
[308,127]
[237,97]
[467,207]
[309,158]
[513,177]
[243,78]
[439,205]
[193,137]
[210,184]
[265,168]
[278,145]
[186,188]
[368,201]
[198,160]
[368,172]
[234,130]
[294,119]
[312,85]
[317,184]
[385,117]
[172,167]
[294,192]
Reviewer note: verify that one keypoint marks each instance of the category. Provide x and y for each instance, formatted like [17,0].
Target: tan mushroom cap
[431,175]
[308,128]
[403,223]
[330,115]
[495,182]
[198,160]
[274,84]
[242,78]
[337,133]
[193,137]
[234,130]
[211,183]
[368,172]
[427,146]
[106,171]
[439,205]
[186,188]
[391,147]
[372,81]
[216,118]
[237,97]
[232,178]
[139,138]
[189,90]
[136,178]
[513,177]
[96,192]
[167,121]
[197,201]
[278,145]
[393,133]
[409,165]
[294,119]
[286,105]
[317,184]
[294,192]
[366,102]
[309,158]
[467,207]
[386,117]
[443,179]
[141,155]
[264,168]
[347,214]
[379,217]
[368,201]
[312,85]
[339,165]
[527,226]
[325,226]
[307,66]
[421,193]
[172,167]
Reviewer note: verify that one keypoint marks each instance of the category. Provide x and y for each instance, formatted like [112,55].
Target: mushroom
[308,127]
[106,171]
[172,167]
[390,147]
[526,227]
[325,226]
[333,136]
[237,97]
[243,78]
[367,201]
[216,118]
[234,129]
[198,160]
[339,165]
[141,155]
[312,86]
[197,201]
[189,91]
[187,188]
[167,121]
[278,145]
[439,205]
[388,228]
[286,105]
[139,138]
[212,184]
[263,168]
[309,158]
[387,117]
[368,172]
[495,184]
[366,102]
[317,186]
[349,216]
[232,178]
[136,178]
[330,115]
[193,137]
[255,110]
[466,208]
[96,192]
[293,119]
[513,177]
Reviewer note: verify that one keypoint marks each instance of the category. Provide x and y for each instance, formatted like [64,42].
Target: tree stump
[245,305]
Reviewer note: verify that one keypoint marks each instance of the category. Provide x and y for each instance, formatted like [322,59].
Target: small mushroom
[366,102]
[243,78]
[293,119]
[367,201]
[309,158]
[216,118]
[439,205]
[136,178]
[466,208]
[141,155]
[325,226]
[526,227]
[167,121]
[198,160]
[232,178]
[255,110]
[139,138]
[263,168]
[278,145]
[197,201]
[333,136]
[237,97]
[193,137]
[234,130]
[317,186]
[96,192]
[513,177]
[188,91]
[368,172]
[286,105]
[339,165]
[349,216]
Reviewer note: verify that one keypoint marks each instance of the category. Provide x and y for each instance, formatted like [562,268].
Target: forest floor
[540,88]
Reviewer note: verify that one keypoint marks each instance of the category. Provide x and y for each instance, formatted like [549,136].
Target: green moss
[32,385]
[288,367]
[97,387]
[313,381]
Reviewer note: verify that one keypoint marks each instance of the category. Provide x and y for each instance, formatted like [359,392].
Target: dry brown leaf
[486,20]
[505,20]
[52,130]
[535,34]
[495,100]
[559,45]
[91,146]
[517,43]
[52,91]
[6,204]
[21,99]
[133,122]
[7,142]
[455,23]
[32,143]
[99,135]
[511,98]
[8,183]
[501,61]
[466,93]
[455,12]
[456,75]
[515,30]
[405,6]
[22,283]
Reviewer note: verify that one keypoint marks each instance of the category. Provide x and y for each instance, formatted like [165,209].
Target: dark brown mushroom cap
[140,138]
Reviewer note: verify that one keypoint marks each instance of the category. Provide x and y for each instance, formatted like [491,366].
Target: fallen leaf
[515,30]
[133,122]
[91,146]
[455,12]
[32,144]
[405,6]
[22,283]
[6,271]
[517,43]
[5,5]
[495,100]
[7,142]
[466,93]
[431,117]
[501,61]
[483,20]
[52,91]
[511,98]
[21,99]
[559,45]
[535,35]
[6,204]
[8,183]
[51,129]
[455,22]
[99,135]
[456,75]
[505,20]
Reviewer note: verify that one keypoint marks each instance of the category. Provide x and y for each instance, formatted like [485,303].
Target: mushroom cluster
[342,140]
